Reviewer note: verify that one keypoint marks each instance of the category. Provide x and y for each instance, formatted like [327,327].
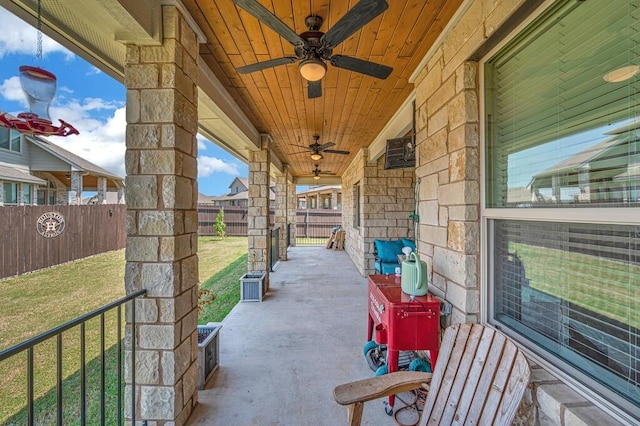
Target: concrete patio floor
[280,359]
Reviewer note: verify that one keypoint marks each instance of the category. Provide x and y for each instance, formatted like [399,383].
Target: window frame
[4,192]
[10,141]
[581,382]
[356,206]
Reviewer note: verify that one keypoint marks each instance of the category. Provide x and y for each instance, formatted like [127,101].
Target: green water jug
[414,276]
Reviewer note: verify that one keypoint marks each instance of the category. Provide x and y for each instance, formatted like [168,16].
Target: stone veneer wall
[354,236]
[258,221]
[162,223]
[281,215]
[386,199]
[448,169]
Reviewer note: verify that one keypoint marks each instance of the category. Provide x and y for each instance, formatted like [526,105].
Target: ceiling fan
[317,172]
[316,149]
[313,47]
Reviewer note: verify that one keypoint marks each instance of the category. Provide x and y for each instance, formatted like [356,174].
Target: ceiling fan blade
[361,66]
[259,66]
[302,146]
[336,151]
[327,173]
[357,17]
[325,146]
[269,19]
[315,89]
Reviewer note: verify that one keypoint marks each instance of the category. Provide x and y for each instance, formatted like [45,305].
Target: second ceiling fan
[313,47]
[316,149]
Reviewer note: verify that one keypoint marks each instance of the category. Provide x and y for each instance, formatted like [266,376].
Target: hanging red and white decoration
[39,87]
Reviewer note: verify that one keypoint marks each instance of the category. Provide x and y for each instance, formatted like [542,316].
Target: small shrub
[219,226]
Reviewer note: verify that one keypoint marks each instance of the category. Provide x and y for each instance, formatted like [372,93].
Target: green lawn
[601,285]
[64,292]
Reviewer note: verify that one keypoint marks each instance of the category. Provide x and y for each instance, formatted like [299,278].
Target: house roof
[15,175]
[243,195]
[203,198]
[320,188]
[243,180]
[72,159]
[588,155]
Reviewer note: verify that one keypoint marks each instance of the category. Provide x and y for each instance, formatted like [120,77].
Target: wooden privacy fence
[312,224]
[28,239]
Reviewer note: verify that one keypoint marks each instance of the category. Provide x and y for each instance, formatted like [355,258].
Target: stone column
[76,188]
[281,213]
[121,195]
[447,128]
[318,201]
[334,199]
[102,190]
[258,211]
[1,193]
[292,208]
[62,197]
[162,223]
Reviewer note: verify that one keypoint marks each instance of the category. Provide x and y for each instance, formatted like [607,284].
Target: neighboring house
[34,171]
[327,197]
[238,195]
[605,172]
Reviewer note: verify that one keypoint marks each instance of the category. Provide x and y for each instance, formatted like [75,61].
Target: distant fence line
[94,229]
[27,241]
[309,223]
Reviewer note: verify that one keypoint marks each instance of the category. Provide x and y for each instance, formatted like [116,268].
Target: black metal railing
[56,333]
[288,235]
[314,233]
[275,247]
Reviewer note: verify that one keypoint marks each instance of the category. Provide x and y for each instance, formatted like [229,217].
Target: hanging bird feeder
[39,87]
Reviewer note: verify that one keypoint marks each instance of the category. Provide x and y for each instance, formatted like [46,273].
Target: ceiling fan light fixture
[621,74]
[316,177]
[316,156]
[312,69]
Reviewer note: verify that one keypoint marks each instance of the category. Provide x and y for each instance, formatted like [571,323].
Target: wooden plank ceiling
[354,107]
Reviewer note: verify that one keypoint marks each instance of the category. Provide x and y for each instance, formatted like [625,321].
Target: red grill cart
[402,323]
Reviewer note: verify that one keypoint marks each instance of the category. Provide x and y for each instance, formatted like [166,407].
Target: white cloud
[11,90]
[18,37]
[202,142]
[101,142]
[209,165]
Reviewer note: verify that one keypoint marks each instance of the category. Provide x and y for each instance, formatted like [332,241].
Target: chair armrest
[379,386]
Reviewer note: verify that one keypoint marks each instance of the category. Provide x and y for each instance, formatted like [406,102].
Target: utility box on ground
[208,352]
[252,287]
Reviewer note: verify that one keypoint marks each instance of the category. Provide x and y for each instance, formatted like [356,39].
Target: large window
[46,195]
[26,193]
[562,132]
[10,193]
[9,139]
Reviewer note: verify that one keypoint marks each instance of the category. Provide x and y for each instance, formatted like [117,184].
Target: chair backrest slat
[444,375]
[477,382]
[479,378]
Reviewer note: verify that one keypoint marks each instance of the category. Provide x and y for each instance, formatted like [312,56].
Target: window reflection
[600,166]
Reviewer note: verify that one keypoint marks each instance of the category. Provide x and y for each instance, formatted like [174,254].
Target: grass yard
[64,292]
[578,278]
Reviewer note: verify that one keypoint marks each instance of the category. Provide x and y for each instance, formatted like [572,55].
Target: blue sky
[94,103]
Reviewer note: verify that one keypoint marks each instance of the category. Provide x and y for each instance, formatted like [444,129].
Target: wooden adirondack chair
[479,379]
